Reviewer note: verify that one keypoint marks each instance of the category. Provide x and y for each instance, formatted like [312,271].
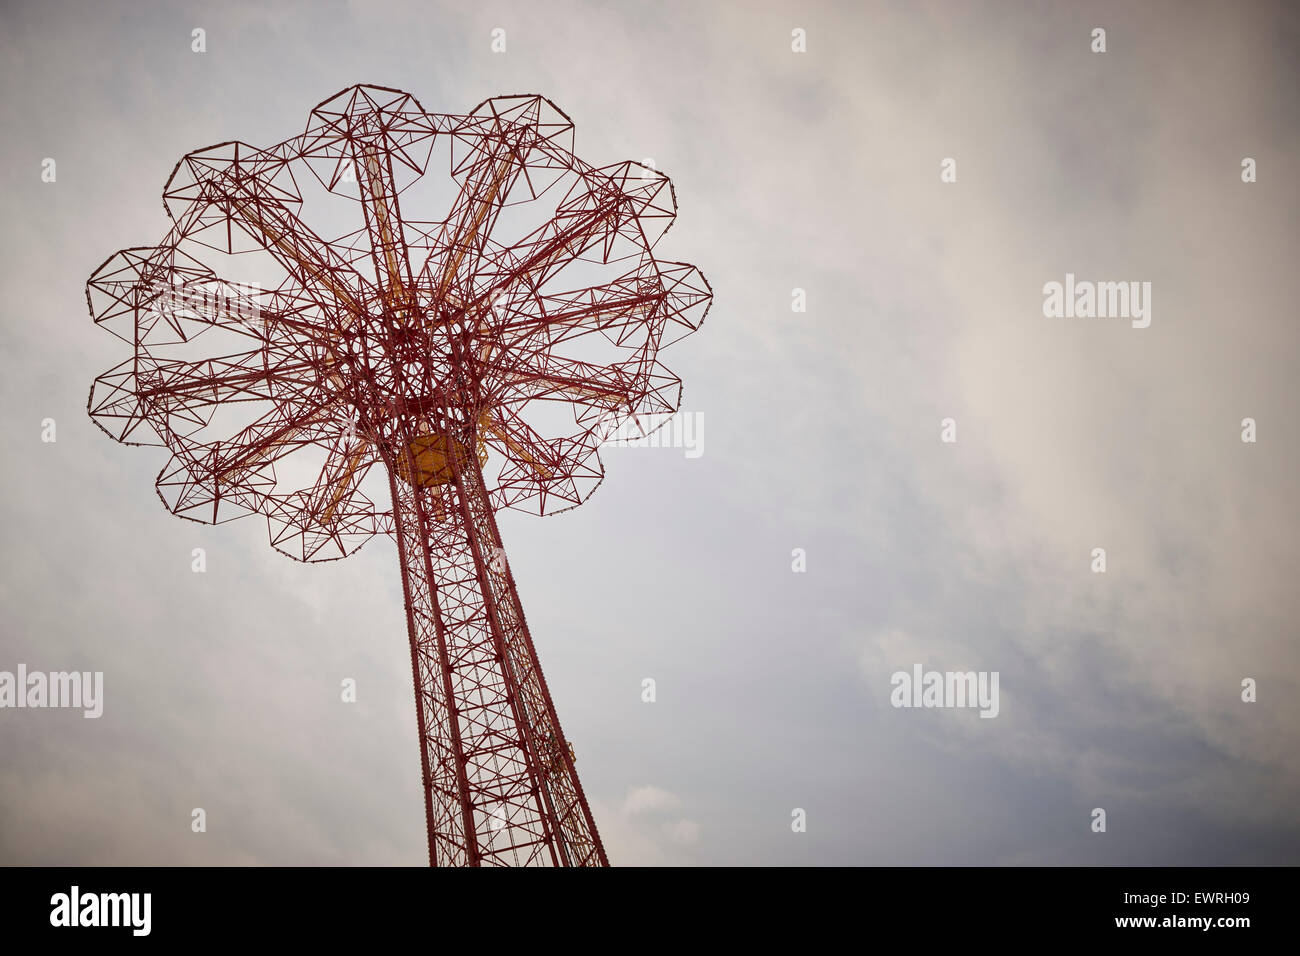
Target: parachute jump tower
[410,378]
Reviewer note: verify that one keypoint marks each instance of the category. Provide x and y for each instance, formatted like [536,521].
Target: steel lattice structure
[478,360]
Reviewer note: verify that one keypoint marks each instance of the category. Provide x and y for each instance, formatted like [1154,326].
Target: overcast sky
[816,170]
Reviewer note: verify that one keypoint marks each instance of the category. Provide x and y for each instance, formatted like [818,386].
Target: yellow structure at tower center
[432,461]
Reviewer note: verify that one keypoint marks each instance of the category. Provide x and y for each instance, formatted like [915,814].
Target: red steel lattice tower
[478,360]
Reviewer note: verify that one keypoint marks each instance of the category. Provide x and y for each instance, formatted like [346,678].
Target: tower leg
[499,784]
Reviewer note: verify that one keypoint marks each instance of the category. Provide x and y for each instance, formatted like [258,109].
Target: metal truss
[410,378]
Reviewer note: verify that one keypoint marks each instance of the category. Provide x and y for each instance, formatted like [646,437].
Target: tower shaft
[498,776]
